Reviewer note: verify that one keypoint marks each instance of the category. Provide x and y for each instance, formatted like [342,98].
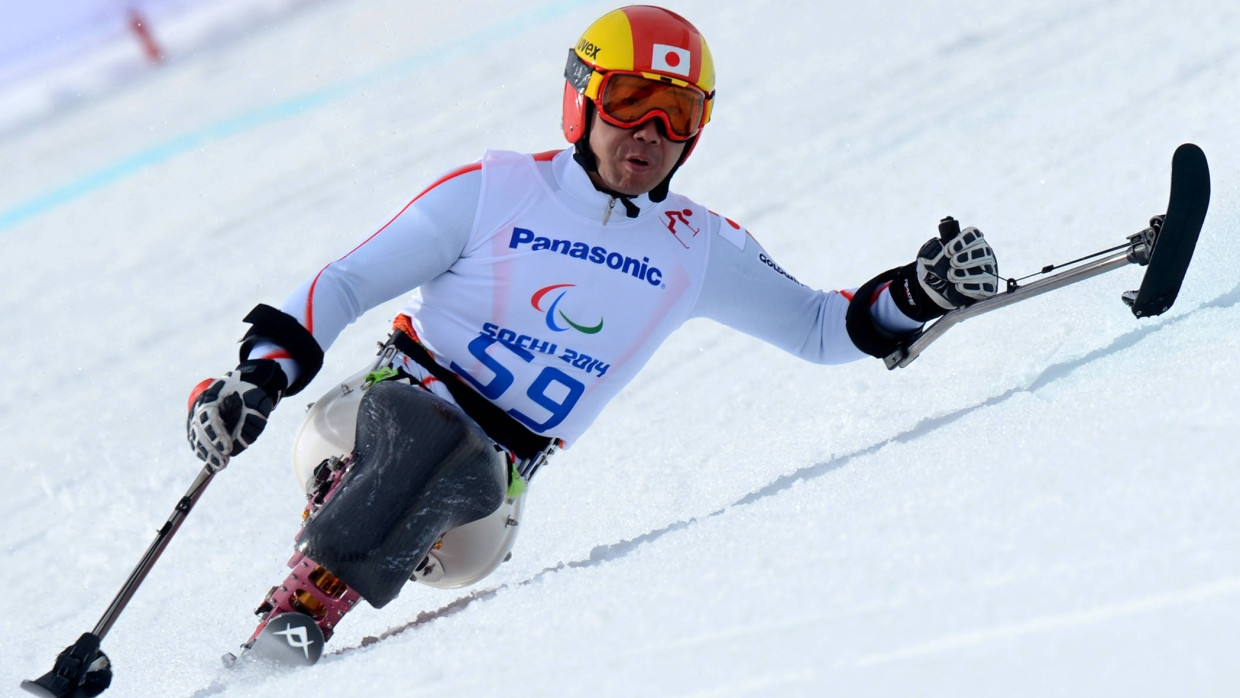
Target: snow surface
[1045,503]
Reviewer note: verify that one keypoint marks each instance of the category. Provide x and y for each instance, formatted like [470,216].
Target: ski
[1165,249]
[289,639]
[1175,234]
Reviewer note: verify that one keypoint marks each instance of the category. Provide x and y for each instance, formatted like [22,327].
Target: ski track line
[1152,603]
[130,165]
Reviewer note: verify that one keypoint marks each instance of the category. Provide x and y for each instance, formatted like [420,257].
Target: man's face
[631,161]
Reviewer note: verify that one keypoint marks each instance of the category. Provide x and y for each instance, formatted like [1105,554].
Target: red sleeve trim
[873,298]
[449,176]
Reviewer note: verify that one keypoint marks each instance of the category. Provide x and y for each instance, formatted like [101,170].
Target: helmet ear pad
[574,114]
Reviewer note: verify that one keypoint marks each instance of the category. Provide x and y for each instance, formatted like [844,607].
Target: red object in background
[143,32]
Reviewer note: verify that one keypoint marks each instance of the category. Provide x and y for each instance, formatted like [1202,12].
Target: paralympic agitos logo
[554,314]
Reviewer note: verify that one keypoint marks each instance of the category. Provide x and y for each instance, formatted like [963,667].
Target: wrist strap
[268,323]
[865,334]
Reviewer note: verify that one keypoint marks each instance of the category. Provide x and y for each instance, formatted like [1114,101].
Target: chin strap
[583,155]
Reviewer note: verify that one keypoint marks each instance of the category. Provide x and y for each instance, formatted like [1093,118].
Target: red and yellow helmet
[639,63]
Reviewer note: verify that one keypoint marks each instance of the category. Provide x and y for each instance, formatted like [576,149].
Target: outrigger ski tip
[1165,249]
[1177,233]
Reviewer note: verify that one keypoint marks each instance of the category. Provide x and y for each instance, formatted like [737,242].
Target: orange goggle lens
[626,101]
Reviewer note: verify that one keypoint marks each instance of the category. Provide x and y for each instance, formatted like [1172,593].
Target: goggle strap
[577,72]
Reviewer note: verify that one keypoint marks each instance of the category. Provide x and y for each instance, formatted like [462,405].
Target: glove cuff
[865,334]
[910,298]
[267,375]
[268,323]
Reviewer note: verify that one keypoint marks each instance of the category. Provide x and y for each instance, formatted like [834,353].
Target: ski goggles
[629,99]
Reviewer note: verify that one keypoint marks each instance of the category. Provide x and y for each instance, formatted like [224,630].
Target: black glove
[947,275]
[227,414]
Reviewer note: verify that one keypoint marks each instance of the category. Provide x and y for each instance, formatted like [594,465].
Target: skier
[540,285]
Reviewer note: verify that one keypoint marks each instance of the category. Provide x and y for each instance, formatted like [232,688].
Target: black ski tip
[1190,158]
[1186,149]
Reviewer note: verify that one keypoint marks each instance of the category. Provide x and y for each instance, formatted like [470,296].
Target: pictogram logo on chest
[677,221]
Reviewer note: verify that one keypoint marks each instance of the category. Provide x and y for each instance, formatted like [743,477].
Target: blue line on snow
[162,152]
